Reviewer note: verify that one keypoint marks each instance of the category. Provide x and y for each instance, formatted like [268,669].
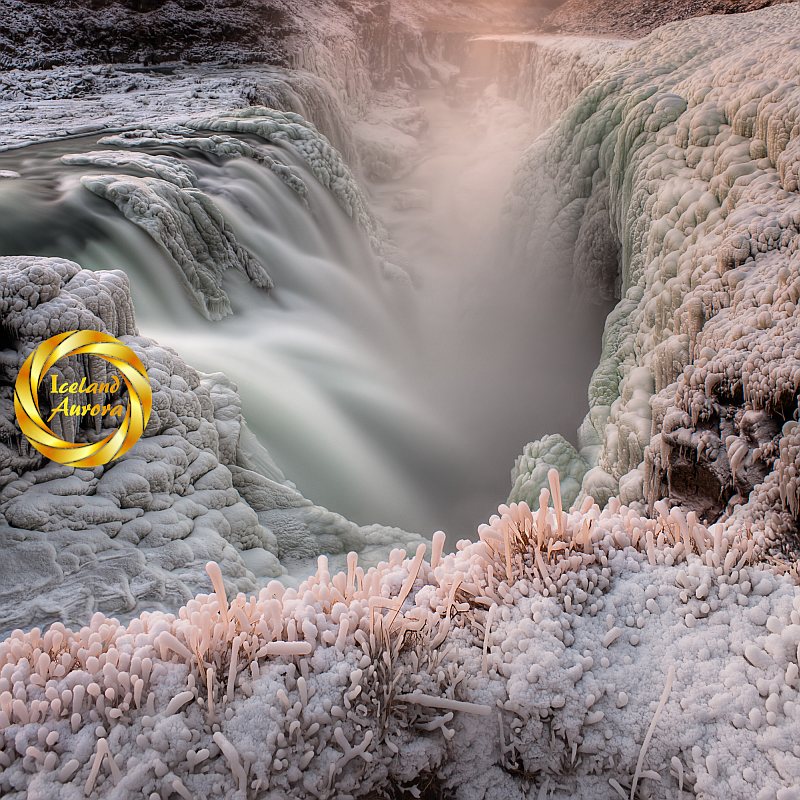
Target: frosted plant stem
[649,735]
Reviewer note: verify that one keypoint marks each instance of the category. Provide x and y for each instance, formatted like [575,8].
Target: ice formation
[324,161]
[187,224]
[589,654]
[544,74]
[673,181]
[136,533]
[530,471]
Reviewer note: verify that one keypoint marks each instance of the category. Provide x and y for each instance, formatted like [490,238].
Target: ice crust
[591,654]
[672,181]
[136,533]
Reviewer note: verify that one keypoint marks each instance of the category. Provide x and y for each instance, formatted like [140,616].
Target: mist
[404,405]
[504,356]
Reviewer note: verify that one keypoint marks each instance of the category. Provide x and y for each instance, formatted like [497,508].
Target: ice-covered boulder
[529,475]
[672,180]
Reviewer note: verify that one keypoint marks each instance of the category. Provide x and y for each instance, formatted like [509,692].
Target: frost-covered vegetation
[594,654]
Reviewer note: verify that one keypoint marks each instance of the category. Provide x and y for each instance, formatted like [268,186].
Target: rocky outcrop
[35,35]
[673,177]
[136,533]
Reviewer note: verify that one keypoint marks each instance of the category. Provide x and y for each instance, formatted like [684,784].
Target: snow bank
[591,654]
[136,533]
[672,181]
[40,105]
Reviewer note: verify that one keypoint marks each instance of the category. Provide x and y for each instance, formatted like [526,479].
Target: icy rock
[187,224]
[672,182]
[135,534]
[529,475]
[167,168]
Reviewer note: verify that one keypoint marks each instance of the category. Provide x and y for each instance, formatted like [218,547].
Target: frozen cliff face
[43,35]
[543,73]
[588,655]
[136,533]
[673,181]
[636,18]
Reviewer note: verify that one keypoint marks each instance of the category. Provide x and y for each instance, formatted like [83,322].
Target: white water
[386,405]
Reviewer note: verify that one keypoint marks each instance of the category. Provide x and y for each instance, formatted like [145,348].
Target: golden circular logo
[38,432]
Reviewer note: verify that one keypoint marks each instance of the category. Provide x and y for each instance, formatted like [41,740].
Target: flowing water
[382,403]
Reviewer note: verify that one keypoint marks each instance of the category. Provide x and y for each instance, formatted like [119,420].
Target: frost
[597,651]
[672,181]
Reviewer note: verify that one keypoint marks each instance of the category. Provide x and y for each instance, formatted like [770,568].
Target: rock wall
[673,183]
[544,74]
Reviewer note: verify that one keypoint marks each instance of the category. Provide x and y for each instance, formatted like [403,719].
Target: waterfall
[318,360]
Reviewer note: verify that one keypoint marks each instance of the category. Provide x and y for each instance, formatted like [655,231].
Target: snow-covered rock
[672,180]
[529,475]
[135,534]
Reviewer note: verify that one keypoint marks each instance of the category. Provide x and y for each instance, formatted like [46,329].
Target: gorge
[400,254]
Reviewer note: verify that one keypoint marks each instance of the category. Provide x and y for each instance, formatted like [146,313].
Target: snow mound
[135,534]
[586,654]
[672,180]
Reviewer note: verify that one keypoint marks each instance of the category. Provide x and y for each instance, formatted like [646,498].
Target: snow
[42,105]
[674,171]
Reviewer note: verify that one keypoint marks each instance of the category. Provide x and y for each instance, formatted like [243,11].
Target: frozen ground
[590,655]
[41,105]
